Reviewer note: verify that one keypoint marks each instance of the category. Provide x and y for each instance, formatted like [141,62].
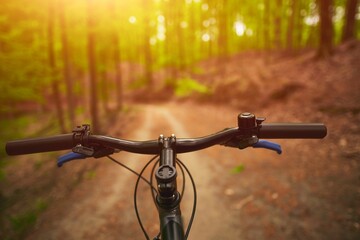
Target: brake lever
[268,145]
[69,157]
[82,152]
[254,142]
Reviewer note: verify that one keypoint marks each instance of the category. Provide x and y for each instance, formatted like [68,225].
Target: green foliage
[186,87]
[140,82]
[91,174]
[38,164]
[2,174]
[238,169]
[12,129]
[22,222]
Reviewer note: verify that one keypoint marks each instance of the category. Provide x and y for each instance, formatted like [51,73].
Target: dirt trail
[306,193]
[103,208]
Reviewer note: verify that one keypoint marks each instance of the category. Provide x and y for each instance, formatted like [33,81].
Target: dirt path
[292,196]
[95,208]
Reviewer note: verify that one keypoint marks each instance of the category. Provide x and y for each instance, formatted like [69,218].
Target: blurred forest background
[63,62]
[70,58]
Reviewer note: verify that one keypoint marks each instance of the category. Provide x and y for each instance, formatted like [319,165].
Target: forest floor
[311,191]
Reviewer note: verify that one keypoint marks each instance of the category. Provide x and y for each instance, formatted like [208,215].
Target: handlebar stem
[166,173]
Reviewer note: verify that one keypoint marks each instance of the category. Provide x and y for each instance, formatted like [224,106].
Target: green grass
[11,129]
[22,222]
[186,87]
[238,169]
[91,174]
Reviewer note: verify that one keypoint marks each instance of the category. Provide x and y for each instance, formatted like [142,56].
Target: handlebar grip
[37,145]
[292,130]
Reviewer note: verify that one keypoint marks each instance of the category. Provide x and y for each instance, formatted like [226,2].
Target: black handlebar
[43,144]
[292,130]
[68,141]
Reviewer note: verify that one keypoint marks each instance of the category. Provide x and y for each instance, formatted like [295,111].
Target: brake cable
[134,172]
[195,197]
[135,196]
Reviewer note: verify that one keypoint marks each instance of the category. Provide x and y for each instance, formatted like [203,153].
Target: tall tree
[116,57]
[267,20]
[350,21]
[66,61]
[277,24]
[52,65]
[291,24]
[326,29]
[223,38]
[146,44]
[299,24]
[181,37]
[92,65]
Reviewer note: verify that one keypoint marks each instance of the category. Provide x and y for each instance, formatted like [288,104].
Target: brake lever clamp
[249,127]
[241,143]
[93,152]
[87,151]
[247,142]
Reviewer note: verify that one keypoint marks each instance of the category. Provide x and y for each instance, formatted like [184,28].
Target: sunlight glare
[183,24]
[205,7]
[339,14]
[205,37]
[206,23]
[240,28]
[311,20]
[153,41]
[132,19]
[161,19]
[249,32]
[161,32]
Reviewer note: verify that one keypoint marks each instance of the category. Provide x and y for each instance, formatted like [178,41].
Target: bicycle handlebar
[292,130]
[42,144]
[183,145]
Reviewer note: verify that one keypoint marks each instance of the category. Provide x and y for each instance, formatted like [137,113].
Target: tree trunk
[299,26]
[326,29]
[182,43]
[290,30]
[277,25]
[223,30]
[66,70]
[350,21]
[104,91]
[266,27]
[52,65]
[92,67]
[116,57]
[146,45]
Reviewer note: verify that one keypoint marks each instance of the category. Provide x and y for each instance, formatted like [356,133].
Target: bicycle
[166,196]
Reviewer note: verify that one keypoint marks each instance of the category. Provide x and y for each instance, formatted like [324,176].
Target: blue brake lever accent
[69,157]
[268,145]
